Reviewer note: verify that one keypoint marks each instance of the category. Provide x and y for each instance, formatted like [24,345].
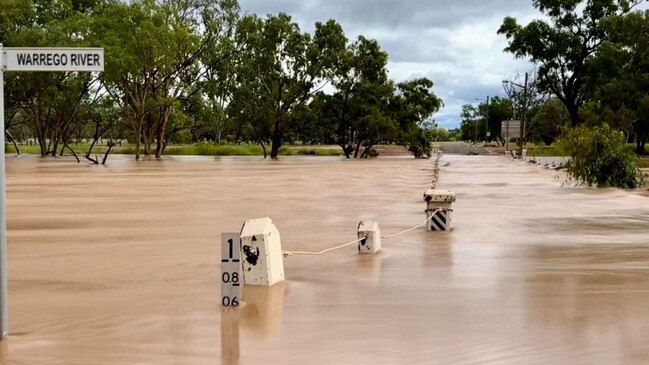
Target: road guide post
[32,59]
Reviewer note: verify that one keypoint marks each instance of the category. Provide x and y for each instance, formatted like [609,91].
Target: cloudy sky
[452,42]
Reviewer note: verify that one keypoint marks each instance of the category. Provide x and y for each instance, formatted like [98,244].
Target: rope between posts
[292,253]
[413,228]
[316,253]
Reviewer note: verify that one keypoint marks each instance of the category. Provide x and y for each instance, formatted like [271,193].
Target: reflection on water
[230,347]
[262,309]
[120,265]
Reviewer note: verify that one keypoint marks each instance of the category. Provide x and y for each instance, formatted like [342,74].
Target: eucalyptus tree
[562,45]
[279,69]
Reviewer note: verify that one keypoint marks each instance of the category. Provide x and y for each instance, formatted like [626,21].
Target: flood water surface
[120,265]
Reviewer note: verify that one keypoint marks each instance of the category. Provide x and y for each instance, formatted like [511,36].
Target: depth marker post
[231,275]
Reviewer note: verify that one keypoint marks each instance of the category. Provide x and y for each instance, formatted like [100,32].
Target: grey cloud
[389,13]
[454,43]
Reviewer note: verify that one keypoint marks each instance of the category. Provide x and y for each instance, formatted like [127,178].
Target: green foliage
[600,158]
[562,45]
[620,77]
[419,144]
[549,122]
[471,126]
[183,71]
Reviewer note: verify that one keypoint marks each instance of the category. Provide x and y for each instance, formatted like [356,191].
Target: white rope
[413,228]
[316,253]
[312,253]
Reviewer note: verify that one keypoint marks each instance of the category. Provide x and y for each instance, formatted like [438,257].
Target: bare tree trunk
[43,145]
[73,153]
[263,147]
[160,131]
[92,145]
[13,140]
[345,149]
[110,147]
[276,142]
[357,149]
[365,150]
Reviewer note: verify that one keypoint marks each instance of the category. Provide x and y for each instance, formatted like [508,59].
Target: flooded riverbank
[119,264]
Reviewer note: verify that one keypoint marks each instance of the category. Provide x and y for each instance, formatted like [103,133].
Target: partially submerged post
[370,237]
[261,248]
[439,206]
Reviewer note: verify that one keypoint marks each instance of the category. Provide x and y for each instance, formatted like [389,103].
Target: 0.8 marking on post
[231,275]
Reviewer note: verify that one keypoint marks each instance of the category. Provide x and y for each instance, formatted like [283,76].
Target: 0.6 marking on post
[231,275]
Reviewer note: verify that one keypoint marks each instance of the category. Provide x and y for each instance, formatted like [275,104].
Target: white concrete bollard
[524,154]
[370,234]
[261,248]
[439,206]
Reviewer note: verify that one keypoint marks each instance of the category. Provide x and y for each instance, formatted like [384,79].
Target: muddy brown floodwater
[120,265]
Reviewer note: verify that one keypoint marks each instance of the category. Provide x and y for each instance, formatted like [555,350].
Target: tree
[621,77]
[360,67]
[413,107]
[155,50]
[548,124]
[48,103]
[600,158]
[280,69]
[562,46]
[471,125]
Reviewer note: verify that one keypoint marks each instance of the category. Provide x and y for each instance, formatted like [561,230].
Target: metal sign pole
[4,325]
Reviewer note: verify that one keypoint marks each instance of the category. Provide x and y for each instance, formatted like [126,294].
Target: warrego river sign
[53,59]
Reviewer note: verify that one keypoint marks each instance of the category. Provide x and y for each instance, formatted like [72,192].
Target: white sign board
[510,129]
[231,275]
[53,59]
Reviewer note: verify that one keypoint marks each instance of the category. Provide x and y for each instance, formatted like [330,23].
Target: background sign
[53,59]
[510,129]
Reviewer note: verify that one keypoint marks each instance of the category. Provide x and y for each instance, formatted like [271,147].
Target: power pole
[524,116]
[487,133]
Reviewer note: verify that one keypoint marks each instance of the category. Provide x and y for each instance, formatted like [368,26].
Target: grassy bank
[552,151]
[200,149]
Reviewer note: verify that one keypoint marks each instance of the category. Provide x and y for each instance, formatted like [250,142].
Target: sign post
[231,276]
[4,325]
[32,59]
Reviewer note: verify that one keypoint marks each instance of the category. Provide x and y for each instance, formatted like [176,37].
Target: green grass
[551,151]
[80,149]
[291,151]
[199,149]
[205,149]
[543,151]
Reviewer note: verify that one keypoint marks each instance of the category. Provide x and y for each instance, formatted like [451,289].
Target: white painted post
[370,236]
[261,246]
[439,207]
[4,325]
[231,279]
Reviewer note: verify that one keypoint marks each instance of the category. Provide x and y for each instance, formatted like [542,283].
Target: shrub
[600,157]
[419,144]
